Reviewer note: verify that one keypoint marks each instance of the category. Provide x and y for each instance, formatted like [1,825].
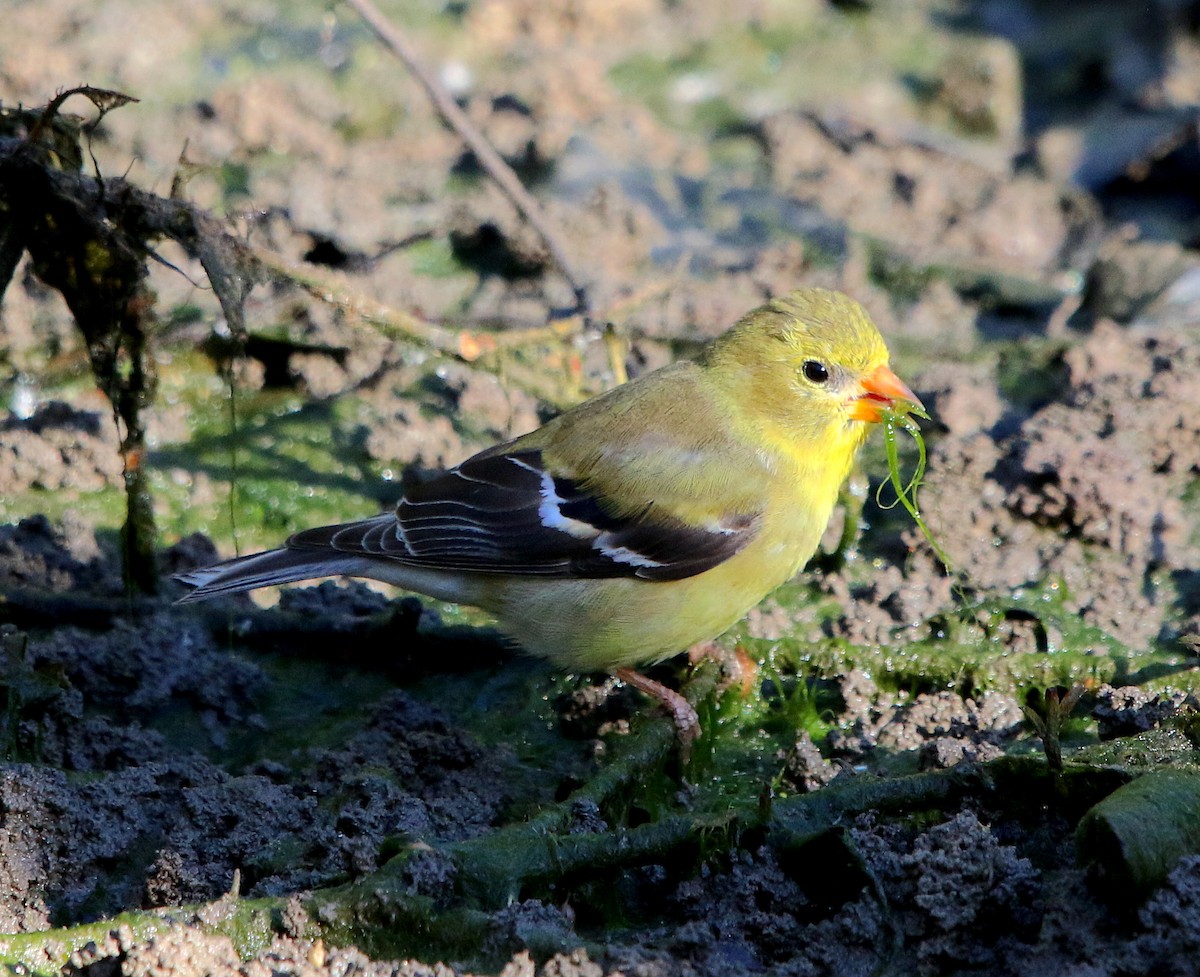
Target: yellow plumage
[645,520]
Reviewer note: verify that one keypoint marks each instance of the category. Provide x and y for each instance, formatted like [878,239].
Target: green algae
[250,924]
[906,491]
[1133,838]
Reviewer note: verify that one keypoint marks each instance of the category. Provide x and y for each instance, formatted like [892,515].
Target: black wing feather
[503,513]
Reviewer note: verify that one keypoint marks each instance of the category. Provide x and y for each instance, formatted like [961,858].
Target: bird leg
[687,723]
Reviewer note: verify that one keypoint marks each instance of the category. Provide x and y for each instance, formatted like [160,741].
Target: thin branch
[492,162]
[466,344]
[393,323]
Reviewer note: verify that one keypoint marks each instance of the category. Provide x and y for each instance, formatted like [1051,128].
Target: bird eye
[814,371]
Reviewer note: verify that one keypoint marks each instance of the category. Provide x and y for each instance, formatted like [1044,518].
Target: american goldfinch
[645,520]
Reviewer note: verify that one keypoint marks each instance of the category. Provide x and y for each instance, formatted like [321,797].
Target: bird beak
[881,390]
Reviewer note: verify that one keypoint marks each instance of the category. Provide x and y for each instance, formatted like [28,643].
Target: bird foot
[687,723]
[737,667]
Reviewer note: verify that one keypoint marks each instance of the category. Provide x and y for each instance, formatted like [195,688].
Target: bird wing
[504,511]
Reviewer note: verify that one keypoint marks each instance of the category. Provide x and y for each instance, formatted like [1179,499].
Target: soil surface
[361,782]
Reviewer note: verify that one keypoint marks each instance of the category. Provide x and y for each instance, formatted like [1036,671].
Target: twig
[29,608]
[492,162]
[394,323]
[104,99]
[466,344]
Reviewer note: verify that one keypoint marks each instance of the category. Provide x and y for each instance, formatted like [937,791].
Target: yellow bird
[643,521]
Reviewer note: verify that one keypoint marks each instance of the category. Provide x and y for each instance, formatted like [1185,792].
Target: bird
[640,522]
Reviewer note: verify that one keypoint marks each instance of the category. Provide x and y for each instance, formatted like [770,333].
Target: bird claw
[683,714]
[738,669]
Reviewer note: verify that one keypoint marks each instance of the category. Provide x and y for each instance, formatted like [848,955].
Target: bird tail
[267,569]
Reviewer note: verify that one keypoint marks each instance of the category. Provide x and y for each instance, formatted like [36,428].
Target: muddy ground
[356,781]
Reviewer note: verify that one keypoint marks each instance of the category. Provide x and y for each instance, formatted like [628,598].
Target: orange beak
[881,389]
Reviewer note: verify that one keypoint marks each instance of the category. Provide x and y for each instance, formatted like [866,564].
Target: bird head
[812,368]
